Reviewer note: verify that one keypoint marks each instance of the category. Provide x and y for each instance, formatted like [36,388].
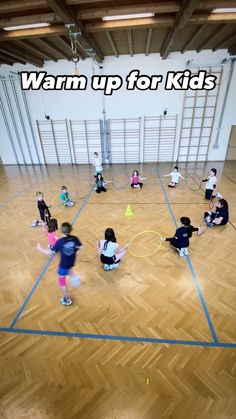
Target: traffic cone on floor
[128,212]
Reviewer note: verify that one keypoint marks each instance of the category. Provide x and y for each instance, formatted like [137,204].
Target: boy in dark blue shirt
[181,238]
[68,246]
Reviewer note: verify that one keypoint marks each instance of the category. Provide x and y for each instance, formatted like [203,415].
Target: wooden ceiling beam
[158,22]
[214,18]
[226,41]
[63,10]
[148,42]
[193,39]
[77,2]
[32,49]
[130,42]
[19,53]
[6,59]
[65,46]
[130,24]
[112,44]
[216,4]
[33,33]
[12,59]
[52,49]
[11,6]
[232,49]
[167,7]
[181,20]
[206,41]
[31,19]
[81,52]
[68,16]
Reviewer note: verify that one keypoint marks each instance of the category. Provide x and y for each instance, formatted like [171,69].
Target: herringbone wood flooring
[156,297]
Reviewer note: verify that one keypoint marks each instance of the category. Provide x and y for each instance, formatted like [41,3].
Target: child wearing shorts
[67,246]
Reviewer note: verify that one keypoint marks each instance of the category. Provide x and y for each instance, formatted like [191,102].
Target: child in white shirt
[97,164]
[211,184]
[175,175]
[109,252]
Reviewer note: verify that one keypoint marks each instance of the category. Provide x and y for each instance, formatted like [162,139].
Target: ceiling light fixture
[131,16]
[28,26]
[224,10]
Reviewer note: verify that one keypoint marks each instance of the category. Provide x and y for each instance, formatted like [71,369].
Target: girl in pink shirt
[50,230]
[135,180]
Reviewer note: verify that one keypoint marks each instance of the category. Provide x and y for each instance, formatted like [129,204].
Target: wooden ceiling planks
[175,26]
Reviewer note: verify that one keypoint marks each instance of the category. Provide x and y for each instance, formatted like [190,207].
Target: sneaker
[65,301]
[114,266]
[106,267]
[34,223]
[210,224]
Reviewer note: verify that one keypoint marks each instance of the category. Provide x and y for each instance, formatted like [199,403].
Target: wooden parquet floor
[154,339]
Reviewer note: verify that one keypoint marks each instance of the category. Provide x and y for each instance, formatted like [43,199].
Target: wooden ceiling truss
[176,26]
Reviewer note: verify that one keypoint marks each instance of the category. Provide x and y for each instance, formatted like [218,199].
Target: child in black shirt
[220,216]
[44,212]
[181,238]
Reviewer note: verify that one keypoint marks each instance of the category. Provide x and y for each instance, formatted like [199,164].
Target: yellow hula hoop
[148,254]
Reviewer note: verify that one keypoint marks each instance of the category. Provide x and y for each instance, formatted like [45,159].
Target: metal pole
[54,141]
[30,124]
[68,137]
[8,130]
[13,119]
[86,139]
[20,116]
[41,142]
[216,143]
[72,139]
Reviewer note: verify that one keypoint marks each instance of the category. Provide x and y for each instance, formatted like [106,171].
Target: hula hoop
[148,254]
[59,208]
[121,185]
[196,181]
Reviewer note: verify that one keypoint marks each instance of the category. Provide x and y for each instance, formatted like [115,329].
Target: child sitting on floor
[182,235]
[108,249]
[175,175]
[135,180]
[64,196]
[100,183]
[220,216]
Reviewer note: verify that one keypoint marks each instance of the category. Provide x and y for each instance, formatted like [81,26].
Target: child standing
[68,246]
[100,184]
[135,180]
[181,238]
[97,164]
[175,175]
[211,183]
[43,211]
[64,196]
[50,230]
[108,249]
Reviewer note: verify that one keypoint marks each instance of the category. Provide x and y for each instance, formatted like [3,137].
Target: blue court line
[46,267]
[118,338]
[2,204]
[204,306]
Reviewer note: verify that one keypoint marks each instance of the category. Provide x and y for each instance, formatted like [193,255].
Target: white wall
[77,105]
